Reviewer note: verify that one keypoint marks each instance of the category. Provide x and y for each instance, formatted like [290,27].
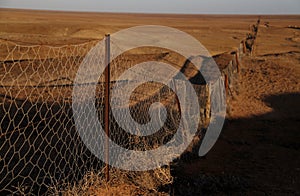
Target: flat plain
[258,151]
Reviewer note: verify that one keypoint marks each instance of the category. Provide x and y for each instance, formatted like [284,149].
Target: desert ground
[258,152]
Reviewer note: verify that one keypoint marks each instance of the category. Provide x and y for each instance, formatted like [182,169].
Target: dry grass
[120,183]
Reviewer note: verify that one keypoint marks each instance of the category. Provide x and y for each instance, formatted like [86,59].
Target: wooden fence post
[226,84]
[244,47]
[237,61]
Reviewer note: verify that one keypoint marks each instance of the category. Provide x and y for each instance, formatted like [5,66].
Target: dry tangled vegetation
[156,182]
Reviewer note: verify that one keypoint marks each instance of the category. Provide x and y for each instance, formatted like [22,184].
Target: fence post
[226,84]
[237,61]
[176,97]
[244,47]
[107,98]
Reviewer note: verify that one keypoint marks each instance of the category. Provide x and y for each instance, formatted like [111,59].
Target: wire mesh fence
[40,148]
[39,145]
[37,131]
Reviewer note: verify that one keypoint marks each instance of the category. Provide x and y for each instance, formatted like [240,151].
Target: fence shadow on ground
[249,153]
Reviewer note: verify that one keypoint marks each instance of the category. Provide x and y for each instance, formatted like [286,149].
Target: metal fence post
[107,107]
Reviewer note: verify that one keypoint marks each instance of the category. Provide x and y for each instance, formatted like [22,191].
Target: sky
[163,6]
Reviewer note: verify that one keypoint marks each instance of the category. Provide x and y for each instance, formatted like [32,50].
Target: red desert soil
[260,144]
[259,148]
[260,139]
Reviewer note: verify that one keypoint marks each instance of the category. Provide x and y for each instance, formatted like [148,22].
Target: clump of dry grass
[120,183]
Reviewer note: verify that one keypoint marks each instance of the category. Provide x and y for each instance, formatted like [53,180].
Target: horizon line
[153,13]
